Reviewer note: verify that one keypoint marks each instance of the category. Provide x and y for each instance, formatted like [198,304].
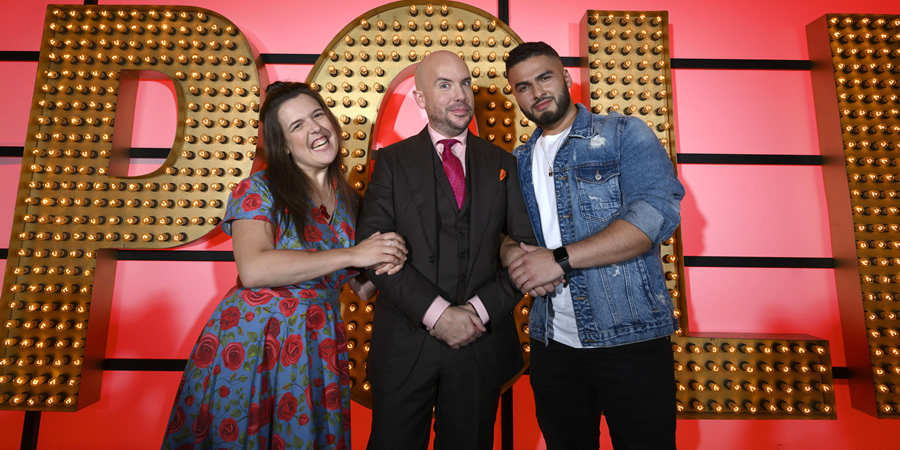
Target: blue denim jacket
[610,167]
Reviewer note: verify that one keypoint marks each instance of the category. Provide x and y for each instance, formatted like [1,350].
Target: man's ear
[420,98]
[568,78]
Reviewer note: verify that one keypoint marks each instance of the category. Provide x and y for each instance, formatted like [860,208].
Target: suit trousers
[632,385]
[447,385]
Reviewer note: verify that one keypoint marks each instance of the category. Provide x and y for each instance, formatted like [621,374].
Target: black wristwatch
[562,258]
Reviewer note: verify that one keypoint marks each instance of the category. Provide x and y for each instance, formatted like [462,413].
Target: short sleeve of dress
[250,199]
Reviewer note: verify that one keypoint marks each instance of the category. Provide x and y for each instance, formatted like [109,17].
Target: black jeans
[633,385]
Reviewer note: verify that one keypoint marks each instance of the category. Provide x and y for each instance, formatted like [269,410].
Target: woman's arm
[260,264]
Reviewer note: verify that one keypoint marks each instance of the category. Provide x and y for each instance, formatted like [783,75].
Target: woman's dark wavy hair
[291,188]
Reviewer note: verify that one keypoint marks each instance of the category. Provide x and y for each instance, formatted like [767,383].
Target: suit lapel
[417,162]
[484,175]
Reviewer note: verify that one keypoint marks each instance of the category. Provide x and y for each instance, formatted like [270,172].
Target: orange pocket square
[502,174]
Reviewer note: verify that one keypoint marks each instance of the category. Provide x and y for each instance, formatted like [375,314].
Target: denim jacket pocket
[599,196]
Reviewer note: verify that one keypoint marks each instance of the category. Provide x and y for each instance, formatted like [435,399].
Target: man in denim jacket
[602,195]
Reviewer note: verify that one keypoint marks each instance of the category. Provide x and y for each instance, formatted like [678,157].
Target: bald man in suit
[444,337]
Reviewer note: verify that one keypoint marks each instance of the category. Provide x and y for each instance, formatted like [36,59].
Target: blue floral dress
[270,368]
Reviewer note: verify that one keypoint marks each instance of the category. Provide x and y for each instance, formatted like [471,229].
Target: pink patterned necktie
[454,170]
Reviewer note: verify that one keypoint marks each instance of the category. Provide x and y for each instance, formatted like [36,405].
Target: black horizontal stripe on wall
[683,158]
[746,159]
[144,365]
[741,64]
[176,255]
[719,64]
[759,262]
[11,152]
[568,61]
[289,58]
[177,365]
[142,152]
[19,56]
[689,261]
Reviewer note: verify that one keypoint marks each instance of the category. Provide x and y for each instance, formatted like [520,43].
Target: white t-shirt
[565,330]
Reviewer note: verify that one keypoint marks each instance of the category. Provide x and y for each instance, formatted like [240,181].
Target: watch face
[560,254]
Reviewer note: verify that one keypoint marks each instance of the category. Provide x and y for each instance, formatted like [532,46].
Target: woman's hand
[385,252]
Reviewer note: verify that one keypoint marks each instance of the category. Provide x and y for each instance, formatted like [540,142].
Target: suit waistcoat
[453,237]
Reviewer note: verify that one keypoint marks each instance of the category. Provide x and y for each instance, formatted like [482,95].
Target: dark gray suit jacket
[401,198]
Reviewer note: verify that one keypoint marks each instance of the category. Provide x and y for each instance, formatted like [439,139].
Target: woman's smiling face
[310,137]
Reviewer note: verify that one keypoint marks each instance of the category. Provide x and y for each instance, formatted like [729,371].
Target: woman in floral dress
[270,367]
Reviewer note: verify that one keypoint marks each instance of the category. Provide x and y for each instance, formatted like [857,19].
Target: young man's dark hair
[528,50]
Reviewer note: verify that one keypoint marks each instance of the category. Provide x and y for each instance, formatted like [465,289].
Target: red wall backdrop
[730,210]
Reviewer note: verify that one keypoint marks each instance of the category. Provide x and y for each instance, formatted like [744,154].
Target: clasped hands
[534,270]
[458,326]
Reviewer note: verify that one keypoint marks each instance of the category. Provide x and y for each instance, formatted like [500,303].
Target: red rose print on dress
[228,430]
[254,298]
[315,318]
[273,327]
[281,291]
[177,421]
[292,350]
[224,391]
[332,399]
[287,306]
[253,416]
[251,202]
[207,347]
[277,442]
[349,231]
[345,372]
[230,318]
[340,336]
[271,350]
[241,188]
[312,234]
[345,415]
[309,398]
[267,408]
[304,419]
[328,352]
[233,355]
[202,424]
[287,406]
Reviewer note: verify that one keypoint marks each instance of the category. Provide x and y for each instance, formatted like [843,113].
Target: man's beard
[551,116]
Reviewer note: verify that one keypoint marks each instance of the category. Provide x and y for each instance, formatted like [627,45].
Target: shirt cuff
[480,309]
[438,306]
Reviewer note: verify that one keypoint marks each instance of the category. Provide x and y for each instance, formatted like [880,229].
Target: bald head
[444,91]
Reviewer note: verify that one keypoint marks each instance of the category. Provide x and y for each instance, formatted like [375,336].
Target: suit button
[464,254]
[432,259]
[461,234]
